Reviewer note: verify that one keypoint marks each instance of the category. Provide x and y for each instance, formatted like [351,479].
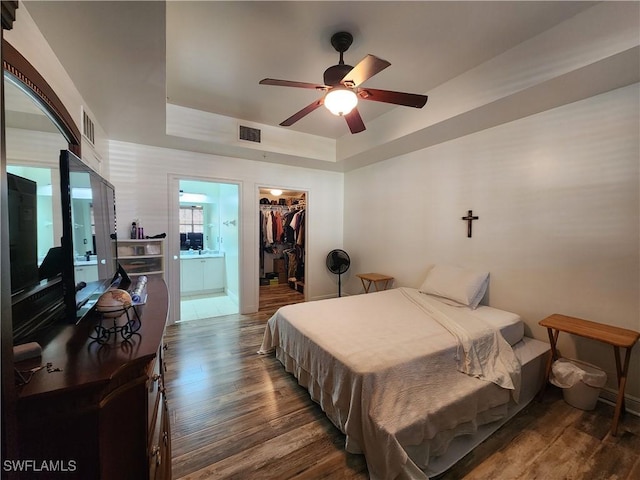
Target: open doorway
[209,262]
[282,241]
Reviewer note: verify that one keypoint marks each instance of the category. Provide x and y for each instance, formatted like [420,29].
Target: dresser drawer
[154,384]
[160,444]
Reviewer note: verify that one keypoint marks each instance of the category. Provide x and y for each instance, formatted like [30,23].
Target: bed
[414,380]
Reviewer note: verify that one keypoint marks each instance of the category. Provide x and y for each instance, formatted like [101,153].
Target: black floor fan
[338,262]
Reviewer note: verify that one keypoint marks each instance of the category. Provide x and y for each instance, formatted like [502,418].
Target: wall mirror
[33,144]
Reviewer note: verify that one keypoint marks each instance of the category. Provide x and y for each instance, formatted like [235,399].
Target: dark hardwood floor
[236,414]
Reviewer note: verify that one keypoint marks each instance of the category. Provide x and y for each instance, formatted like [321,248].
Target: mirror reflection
[93,219]
[84,233]
[199,216]
[33,144]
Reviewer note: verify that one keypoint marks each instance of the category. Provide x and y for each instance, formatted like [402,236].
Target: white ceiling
[127,58]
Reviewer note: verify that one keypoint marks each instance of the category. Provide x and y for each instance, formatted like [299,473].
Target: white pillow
[458,284]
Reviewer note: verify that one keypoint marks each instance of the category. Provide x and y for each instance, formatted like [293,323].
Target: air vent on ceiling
[249,134]
[87,128]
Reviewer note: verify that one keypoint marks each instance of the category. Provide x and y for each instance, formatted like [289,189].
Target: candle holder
[132,325]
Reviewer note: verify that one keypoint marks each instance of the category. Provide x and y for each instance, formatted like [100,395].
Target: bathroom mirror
[199,215]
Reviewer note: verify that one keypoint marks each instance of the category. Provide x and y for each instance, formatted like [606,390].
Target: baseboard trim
[232,295]
[632,404]
[248,309]
[324,297]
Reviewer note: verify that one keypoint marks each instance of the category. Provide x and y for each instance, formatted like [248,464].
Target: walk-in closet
[282,245]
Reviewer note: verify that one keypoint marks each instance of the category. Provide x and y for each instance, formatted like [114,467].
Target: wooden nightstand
[376,279]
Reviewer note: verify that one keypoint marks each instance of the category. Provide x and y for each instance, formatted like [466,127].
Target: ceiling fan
[342,84]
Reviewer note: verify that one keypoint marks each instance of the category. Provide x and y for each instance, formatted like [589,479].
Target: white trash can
[581,382]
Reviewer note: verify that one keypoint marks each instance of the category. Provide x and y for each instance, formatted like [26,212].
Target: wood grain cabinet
[159,430]
[99,411]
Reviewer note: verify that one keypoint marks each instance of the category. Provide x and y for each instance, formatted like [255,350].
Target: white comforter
[388,375]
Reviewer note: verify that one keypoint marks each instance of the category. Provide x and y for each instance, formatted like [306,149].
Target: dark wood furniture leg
[553,339]
[622,383]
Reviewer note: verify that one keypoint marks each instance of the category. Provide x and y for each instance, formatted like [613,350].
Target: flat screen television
[89,261]
[36,292]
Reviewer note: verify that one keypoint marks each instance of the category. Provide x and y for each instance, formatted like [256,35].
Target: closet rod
[282,207]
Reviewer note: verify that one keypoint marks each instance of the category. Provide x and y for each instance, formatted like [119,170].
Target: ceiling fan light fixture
[342,84]
[340,101]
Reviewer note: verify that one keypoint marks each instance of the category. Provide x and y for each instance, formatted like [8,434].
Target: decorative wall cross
[469,218]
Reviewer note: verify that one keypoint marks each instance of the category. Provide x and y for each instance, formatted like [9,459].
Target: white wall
[140,175]
[229,208]
[557,196]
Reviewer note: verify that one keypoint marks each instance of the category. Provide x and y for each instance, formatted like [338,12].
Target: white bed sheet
[509,324]
[533,355]
[386,375]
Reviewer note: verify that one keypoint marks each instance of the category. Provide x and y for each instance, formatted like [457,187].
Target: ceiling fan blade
[363,71]
[289,83]
[354,120]
[397,98]
[302,113]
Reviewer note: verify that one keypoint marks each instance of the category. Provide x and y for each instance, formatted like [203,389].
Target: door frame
[173,243]
[257,239]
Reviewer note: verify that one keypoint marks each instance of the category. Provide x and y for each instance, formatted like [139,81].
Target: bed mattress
[385,373]
[509,324]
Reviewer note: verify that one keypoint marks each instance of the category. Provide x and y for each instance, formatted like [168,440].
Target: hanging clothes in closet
[282,230]
[294,225]
[271,226]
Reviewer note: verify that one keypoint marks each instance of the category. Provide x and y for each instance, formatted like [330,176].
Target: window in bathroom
[191,219]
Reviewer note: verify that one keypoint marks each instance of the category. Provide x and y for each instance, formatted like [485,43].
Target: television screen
[23,232]
[88,227]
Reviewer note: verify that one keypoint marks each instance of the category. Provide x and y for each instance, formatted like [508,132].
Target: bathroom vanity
[201,272]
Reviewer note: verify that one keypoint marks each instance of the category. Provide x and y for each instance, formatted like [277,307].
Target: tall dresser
[99,411]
